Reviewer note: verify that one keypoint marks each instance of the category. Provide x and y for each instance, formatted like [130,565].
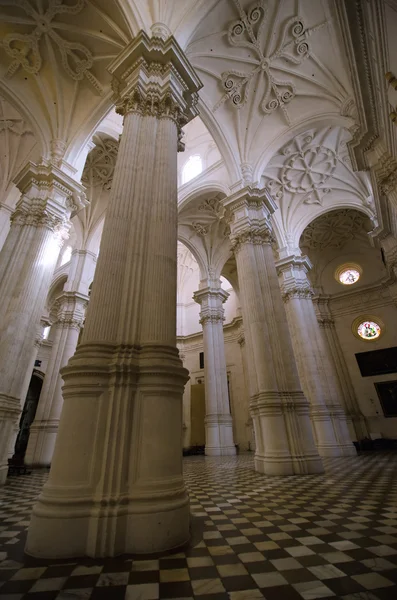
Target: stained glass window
[369,330]
[349,276]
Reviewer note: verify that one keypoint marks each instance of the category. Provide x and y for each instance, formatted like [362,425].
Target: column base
[331,431]
[10,410]
[220,451]
[219,435]
[288,466]
[41,443]
[285,444]
[108,528]
[116,483]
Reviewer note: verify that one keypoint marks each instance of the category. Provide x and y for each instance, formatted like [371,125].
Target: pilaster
[355,419]
[279,409]
[218,420]
[116,485]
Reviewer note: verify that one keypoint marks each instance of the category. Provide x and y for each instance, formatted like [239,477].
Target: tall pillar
[44,429]
[27,261]
[218,420]
[71,305]
[355,418]
[116,482]
[315,365]
[5,216]
[280,411]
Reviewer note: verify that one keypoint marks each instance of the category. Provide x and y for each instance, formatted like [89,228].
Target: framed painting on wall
[387,393]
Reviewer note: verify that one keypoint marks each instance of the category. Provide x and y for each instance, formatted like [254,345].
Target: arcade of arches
[198,233]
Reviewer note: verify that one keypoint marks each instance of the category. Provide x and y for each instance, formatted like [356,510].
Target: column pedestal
[27,261]
[279,409]
[218,420]
[116,484]
[315,367]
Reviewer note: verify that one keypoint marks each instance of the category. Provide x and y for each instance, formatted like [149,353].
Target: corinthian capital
[250,210]
[153,77]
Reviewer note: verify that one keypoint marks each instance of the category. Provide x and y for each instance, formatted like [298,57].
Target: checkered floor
[328,536]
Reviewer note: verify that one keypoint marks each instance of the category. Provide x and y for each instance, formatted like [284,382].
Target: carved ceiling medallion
[334,229]
[308,168]
[100,164]
[292,48]
[25,49]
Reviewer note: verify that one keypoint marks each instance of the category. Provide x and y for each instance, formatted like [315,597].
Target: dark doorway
[28,414]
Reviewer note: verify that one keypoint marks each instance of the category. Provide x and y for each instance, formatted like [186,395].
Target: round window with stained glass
[348,274]
[369,330]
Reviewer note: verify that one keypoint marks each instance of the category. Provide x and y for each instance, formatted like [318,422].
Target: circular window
[369,330]
[368,327]
[348,274]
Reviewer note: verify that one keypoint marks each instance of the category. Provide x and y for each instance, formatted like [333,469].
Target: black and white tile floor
[293,538]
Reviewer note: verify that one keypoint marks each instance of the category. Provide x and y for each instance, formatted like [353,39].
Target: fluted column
[27,261]
[116,482]
[5,216]
[315,365]
[355,418]
[280,411]
[218,420]
[44,429]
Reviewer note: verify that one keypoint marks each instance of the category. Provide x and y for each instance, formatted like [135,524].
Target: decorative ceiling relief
[55,54]
[18,146]
[313,171]
[97,178]
[204,224]
[25,49]
[100,164]
[334,229]
[291,49]
[267,66]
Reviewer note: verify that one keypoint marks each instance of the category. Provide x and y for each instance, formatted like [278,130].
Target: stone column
[355,418]
[218,420]
[44,429]
[315,365]
[280,411]
[5,216]
[27,261]
[116,483]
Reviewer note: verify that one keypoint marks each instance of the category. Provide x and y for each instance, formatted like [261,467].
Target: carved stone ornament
[37,215]
[301,293]
[252,236]
[274,67]
[100,164]
[25,50]
[212,317]
[201,230]
[389,184]
[333,229]
[152,77]
[69,322]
